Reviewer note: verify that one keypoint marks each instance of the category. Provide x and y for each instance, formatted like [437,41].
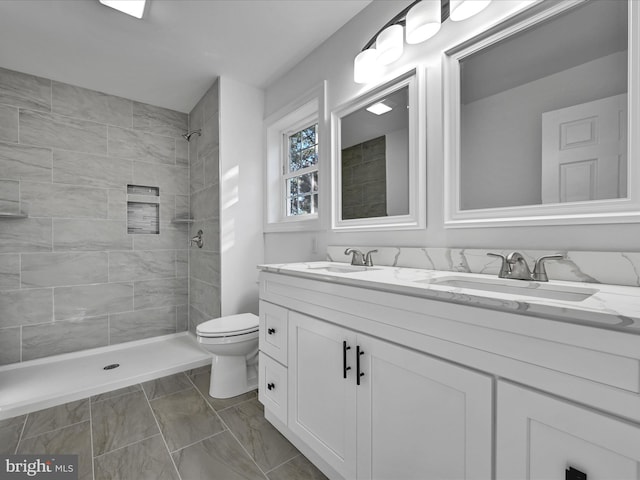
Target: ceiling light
[135,8]
[463,9]
[365,66]
[423,21]
[379,108]
[389,44]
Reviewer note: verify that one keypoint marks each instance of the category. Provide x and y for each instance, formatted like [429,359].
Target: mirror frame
[622,210]
[416,218]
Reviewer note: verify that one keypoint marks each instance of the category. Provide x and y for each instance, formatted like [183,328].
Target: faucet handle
[357,257]
[539,271]
[368,261]
[504,267]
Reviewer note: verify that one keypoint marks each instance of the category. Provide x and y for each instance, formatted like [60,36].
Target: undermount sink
[344,268]
[516,287]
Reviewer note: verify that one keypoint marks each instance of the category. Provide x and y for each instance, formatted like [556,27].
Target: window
[300,171]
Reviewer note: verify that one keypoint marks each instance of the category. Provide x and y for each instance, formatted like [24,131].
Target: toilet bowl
[233,341]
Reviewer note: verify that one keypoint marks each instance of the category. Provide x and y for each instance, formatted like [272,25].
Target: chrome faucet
[359,258]
[515,266]
[197,240]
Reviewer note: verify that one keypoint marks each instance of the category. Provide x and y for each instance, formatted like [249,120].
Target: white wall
[241,194]
[333,61]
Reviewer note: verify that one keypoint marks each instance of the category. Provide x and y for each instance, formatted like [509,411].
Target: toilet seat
[229,326]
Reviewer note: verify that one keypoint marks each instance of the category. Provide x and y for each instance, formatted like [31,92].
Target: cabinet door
[321,401]
[541,437]
[273,331]
[420,417]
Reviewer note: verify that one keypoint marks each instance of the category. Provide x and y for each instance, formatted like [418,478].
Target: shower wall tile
[182,318]
[25,235]
[196,166]
[21,162]
[211,229]
[208,141]
[9,345]
[141,146]
[125,327]
[170,179]
[84,235]
[205,297]
[57,131]
[158,120]
[205,266]
[160,293]
[183,206]
[196,317]
[196,117]
[211,167]
[24,91]
[9,271]
[58,200]
[210,102]
[8,123]
[117,204]
[91,170]
[63,269]
[141,265]
[92,300]
[87,104]
[171,236]
[182,152]
[182,263]
[9,196]
[26,306]
[205,203]
[67,336]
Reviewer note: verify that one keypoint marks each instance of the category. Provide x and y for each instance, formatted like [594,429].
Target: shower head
[187,136]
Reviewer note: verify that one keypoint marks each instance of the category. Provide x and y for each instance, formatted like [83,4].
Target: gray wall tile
[160,293]
[9,196]
[25,235]
[196,117]
[182,152]
[25,91]
[84,235]
[63,269]
[171,236]
[196,166]
[209,140]
[10,271]
[182,263]
[182,318]
[170,179]
[21,162]
[125,327]
[58,200]
[26,306]
[8,123]
[205,266]
[158,120]
[205,203]
[183,206]
[211,167]
[57,131]
[142,146]
[117,204]
[63,337]
[9,345]
[204,297]
[196,317]
[141,265]
[90,105]
[92,300]
[91,170]
[210,102]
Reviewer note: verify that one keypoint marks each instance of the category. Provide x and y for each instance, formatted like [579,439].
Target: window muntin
[300,171]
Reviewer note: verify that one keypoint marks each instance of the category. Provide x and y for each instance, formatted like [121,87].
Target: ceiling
[171,56]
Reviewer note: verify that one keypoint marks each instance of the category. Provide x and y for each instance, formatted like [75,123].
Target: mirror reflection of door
[375,159]
[584,151]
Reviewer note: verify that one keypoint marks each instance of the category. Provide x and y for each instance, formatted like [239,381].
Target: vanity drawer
[272,386]
[273,331]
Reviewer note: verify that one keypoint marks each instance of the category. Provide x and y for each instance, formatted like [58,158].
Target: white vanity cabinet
[373,409]
[539,436]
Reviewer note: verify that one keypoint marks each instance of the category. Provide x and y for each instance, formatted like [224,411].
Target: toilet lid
[229,325]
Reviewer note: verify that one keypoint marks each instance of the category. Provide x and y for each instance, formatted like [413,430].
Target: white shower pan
[29,386]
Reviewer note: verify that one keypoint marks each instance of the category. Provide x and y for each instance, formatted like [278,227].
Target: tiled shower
[71,276]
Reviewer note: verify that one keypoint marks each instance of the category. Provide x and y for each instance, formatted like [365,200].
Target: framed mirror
[538,116]
[378,158]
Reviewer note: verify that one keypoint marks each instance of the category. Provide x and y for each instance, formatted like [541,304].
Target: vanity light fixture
[379,108]
[422,19]
[135,8]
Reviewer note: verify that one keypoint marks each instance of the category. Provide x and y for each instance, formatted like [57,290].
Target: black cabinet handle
[271,331]
[270,386]
[574,474]
[345,347]
[358,372]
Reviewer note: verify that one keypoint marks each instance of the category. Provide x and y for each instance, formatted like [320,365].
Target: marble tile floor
[164,429]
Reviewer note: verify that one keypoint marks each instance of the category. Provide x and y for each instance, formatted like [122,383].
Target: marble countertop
[612,307]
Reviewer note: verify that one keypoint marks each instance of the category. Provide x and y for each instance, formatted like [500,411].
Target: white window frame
[304,111]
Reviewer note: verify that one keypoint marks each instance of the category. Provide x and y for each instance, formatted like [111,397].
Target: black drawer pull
[358,372]
[270,386]
[271,331]
[574,474]
[344,359]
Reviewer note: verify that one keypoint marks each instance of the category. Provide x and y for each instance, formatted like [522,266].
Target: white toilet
[233,341]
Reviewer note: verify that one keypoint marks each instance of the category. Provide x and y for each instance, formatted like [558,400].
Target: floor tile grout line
[93,464]
[284,463]
[161,434]
[24,425]
[201,440]
[229,429]
[127,445]
[54,430]
[114,397]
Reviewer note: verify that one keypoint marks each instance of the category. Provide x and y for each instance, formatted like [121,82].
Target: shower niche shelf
[12,216]
[182,220]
